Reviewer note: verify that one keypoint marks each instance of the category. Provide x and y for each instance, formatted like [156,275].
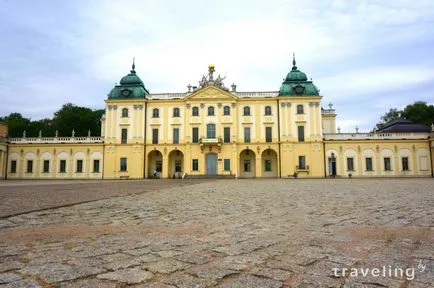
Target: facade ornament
[359,149]
[73,133]
[24,134]
[165,150]
[234,87]
[202,105]
[377,148]
[330,106]
[340,149]
[233,104]
[219,105]
[258,149]
[188,105]
[414,148]
[56,134]
[40,133]
[37,151]
[339,129]
[283,104]
[396,148]
[88,133]
[310,104]
[357,129]
[189,88]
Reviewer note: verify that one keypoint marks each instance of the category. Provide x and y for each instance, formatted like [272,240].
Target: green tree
[80,119]
[419,112]
[392,114]
[17,124]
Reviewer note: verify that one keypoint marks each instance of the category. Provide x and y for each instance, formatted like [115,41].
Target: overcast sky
[365,56]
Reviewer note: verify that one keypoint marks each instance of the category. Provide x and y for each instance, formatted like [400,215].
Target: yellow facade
[211,131]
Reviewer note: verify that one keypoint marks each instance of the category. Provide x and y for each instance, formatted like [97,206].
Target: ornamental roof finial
[134,65]
[294,67]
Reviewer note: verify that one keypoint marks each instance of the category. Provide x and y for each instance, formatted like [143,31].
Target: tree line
[419,112]
[69,117]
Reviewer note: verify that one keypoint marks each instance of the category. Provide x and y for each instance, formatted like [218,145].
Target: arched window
[300,109]
[195,111]
[226,110]
[210,131]
[267,110]
[155,113]
[175,112]
[210,111]
[125,112]
[246,111]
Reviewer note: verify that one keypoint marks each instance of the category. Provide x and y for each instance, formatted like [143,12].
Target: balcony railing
[376,136]
[204,140]
[55,140]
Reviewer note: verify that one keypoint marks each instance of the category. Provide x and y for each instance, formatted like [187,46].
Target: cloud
[75,51]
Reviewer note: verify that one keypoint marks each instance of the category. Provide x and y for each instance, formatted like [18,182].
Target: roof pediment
[211,93]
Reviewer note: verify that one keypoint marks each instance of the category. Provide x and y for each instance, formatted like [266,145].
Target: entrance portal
[211,164]
[332,167]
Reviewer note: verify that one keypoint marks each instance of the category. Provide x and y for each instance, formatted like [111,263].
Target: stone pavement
[230,233]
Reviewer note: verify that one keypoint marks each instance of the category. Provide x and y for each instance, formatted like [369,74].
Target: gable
[211,93]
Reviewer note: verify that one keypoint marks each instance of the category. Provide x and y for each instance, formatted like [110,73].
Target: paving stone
[8,277]
[88,283]
[277,274]
[129,276]
[165,266]
[188,281]
[212,273]
[26,283]
[52,273]
[250,281]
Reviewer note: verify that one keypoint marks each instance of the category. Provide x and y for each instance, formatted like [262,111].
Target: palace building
[212,130]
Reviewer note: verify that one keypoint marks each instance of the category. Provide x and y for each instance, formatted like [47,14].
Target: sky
[365,56]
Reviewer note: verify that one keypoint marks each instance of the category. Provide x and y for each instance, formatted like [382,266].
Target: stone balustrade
[55,140]
[376,136]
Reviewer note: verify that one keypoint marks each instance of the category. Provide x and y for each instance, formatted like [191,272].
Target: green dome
[131,86]
[296,84]
[131,78]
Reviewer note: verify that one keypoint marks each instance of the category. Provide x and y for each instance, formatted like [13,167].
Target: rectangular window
[387,165]
[159,166]
[155,136]
[14,166]
[267,166]
[79,166]
[123,164]
[46,167]
[247,167]
[195,165]
[95,166]
[175,135]
[195,132]
[227,134]
[62,168]
[227,164]
[268,134]
[405,164]
[29,166]
[302,162]
[124,136]
[246,134]
[368,164]
[350,164]
[300,133]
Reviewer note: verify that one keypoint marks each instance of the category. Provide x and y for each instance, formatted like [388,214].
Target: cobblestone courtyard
[225,233]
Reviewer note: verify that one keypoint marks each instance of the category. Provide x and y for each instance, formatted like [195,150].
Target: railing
[204,140]
[257,94]
[376,136]
[55,140]
[167,95]
[328,111]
